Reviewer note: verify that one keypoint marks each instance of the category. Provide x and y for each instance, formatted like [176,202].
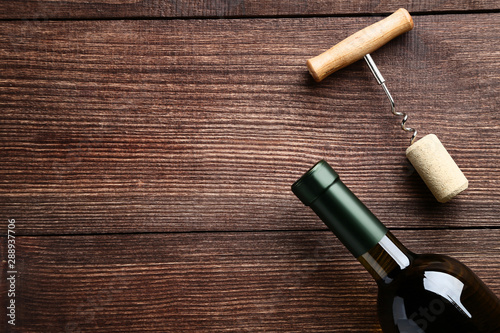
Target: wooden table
[148,148]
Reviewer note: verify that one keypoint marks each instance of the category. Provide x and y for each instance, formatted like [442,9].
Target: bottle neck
[349,219]
[386,259]
[352,222]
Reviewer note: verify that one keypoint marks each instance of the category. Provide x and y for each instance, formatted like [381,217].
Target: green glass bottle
[418,293]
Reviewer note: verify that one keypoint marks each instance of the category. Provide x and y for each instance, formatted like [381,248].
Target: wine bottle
[417,293]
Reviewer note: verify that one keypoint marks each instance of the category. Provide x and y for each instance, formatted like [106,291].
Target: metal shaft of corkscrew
[381,81]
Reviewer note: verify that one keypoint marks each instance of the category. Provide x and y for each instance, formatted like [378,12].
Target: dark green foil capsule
[345,215]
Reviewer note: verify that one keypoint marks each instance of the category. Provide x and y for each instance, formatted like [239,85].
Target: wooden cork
[436,167]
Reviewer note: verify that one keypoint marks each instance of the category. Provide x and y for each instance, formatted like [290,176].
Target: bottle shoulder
[427,262]
[437,293]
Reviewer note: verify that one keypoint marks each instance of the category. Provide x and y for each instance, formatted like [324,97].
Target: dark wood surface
[103,9]
[295,281]
[148,162]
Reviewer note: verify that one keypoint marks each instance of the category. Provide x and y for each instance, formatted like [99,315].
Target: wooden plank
[104,9]
[245,282]
[153,126]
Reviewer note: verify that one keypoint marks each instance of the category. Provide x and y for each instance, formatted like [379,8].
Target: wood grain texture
[148,163]
[158,126]
[215,282]
[104,9]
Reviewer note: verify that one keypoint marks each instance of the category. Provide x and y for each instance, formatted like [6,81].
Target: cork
[437,168]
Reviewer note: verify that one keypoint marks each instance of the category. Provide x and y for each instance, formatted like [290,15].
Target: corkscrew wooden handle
[359,44]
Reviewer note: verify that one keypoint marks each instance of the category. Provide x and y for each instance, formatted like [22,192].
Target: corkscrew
[381,81]
[428,155]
